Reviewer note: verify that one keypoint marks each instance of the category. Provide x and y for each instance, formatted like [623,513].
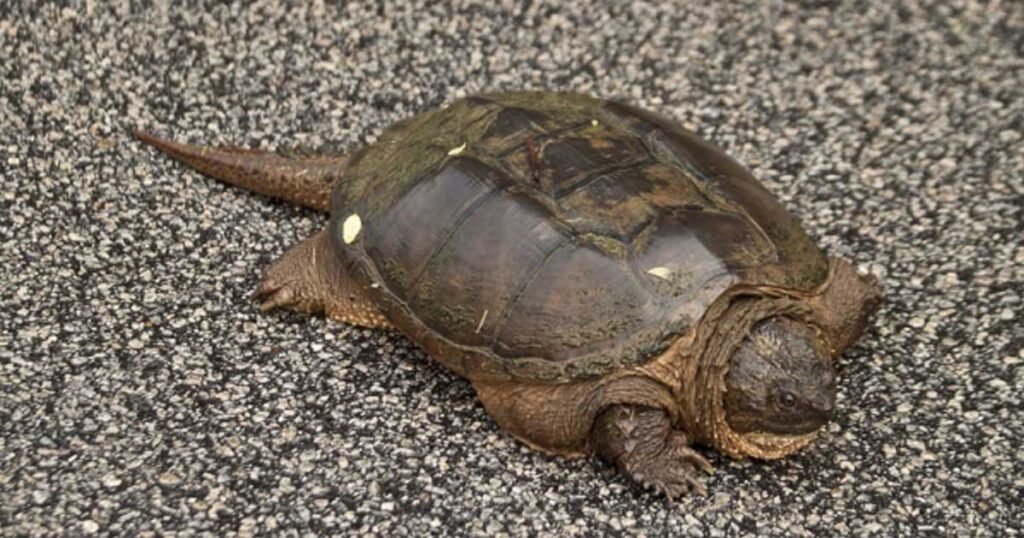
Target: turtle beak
[823,406]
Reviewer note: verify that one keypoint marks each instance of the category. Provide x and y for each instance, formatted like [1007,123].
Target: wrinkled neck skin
[723,330]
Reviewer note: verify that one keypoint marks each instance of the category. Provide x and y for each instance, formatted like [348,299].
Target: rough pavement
[142,392]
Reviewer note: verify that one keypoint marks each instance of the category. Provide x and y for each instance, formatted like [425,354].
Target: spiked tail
[303,180]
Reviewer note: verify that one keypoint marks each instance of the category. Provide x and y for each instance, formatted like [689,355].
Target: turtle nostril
[826,405]
[827,399]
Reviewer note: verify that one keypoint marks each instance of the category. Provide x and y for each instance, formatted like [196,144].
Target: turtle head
[780,381]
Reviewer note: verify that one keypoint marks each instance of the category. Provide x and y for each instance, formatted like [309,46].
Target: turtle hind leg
[301,179]
[309,278]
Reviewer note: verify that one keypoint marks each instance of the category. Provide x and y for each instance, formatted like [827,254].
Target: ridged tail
[303,180]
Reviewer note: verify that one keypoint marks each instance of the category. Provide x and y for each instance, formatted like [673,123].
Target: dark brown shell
[555,236]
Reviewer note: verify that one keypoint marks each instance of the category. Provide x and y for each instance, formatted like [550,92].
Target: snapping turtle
[609,282]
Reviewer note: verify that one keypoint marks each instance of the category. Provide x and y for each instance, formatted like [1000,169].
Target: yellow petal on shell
[455,151]
[660,272]
[350,228]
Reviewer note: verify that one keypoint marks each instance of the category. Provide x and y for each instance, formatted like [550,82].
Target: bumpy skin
[306,180]
[591,267]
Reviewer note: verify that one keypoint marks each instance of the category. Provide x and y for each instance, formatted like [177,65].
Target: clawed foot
[309,279]
[274,293]
[292,281]
[643,444]
[673,472]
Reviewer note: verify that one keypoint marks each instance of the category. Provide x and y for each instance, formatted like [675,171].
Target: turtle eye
[787,400]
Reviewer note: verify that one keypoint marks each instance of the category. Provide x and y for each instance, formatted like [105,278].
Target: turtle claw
[646,448]
[678,489]
[294,280]
[272,297]
[698,461]
[285,286]
[674,472]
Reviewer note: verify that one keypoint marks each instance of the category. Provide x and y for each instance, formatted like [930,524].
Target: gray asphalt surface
[141,392]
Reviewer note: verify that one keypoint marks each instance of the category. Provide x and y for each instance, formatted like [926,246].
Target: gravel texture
[141,392]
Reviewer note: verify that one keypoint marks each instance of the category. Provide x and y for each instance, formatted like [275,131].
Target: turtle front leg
[641,442]
[309,278]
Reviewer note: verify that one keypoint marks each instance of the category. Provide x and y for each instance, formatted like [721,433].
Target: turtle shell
[552,237]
